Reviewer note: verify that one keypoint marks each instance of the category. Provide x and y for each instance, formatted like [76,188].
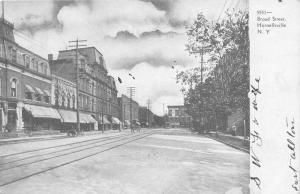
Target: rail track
[74,152]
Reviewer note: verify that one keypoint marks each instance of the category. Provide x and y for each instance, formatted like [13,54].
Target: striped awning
[115,120]
[105,120]
[42,112]
[29,88]
[39,91]
[47,93]
[71,117]
[127,122]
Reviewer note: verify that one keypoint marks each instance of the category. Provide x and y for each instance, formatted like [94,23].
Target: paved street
[155,161]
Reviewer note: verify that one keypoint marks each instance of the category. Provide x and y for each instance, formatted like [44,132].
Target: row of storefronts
[49,118]
[38,94]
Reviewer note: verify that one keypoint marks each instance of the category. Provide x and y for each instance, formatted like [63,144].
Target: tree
[226,84]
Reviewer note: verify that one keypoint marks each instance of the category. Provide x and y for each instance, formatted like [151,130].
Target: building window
[27,62]
[14,55]
[176,113]
[69,101]
[170,113]
[73,101]
[14,87]
[82,63]
[36,65]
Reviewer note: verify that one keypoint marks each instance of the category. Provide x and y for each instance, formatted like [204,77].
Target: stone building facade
[97,90]
[124,104]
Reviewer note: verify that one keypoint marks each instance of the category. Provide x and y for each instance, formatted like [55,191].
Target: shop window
[14,87]
[28,95]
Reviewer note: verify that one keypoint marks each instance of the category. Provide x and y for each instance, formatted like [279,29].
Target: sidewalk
[4,140]
[237,142]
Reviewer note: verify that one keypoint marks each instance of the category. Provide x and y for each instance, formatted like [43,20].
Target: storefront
[37,118]
[69,120]
[116,123]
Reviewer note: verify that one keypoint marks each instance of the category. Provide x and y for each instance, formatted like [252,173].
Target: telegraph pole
[131,91]
[148,111]
[77,79]
[202,50]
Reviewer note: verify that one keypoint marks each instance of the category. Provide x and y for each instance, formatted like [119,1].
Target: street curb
[228,144]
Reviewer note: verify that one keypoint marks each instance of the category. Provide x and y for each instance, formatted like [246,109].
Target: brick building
[146,117]
[25,86]
[177,116]
[97,90]
[124,104]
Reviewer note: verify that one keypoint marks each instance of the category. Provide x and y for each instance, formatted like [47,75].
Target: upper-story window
[73,101]
[14,55]
[32,63]
[26,61]
[176,113]
[82,62]
[45,69]
[13,87]
[170,113]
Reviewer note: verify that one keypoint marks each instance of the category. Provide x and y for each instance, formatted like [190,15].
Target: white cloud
[155,83]
[154,79]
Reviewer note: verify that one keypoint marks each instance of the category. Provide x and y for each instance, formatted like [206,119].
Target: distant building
[146,117]
[25,86]
[124,104]
[97,90]
[177,116]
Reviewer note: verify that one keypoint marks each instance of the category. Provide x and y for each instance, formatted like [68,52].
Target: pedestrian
[234,130]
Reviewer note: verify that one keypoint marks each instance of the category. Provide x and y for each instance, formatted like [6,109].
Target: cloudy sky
[141,37]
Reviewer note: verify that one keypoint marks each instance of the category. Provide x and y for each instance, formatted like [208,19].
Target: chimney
[50,59]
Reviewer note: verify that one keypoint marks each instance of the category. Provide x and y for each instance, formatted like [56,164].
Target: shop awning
[29,88]
[105,120]
[42,112]
[115,120]
[87,118]
[47,93]
[138,123]
[127,122]
[39,91]
[71,117]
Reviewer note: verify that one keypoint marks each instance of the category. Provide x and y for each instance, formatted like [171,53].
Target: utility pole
[77,79]
[148,112]
[202,51]
[131,91]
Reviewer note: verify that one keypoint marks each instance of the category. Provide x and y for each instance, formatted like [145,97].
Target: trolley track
[90,142]
[114,144]
[57,156]
[9,142]
[57,146]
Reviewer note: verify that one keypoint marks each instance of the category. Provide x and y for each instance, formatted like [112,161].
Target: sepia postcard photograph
[136,97]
